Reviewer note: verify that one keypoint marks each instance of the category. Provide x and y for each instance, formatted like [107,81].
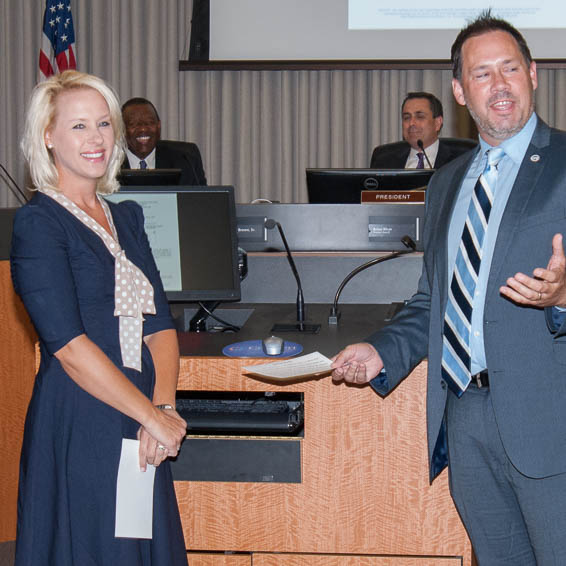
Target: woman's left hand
[151,451]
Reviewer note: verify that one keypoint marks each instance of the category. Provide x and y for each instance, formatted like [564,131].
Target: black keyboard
[238,416]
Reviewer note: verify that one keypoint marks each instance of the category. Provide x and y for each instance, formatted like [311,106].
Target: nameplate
[251,229]
[394,197]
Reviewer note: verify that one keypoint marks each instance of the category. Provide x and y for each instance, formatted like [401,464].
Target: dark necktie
[143,164]
[456,359]
[420,157]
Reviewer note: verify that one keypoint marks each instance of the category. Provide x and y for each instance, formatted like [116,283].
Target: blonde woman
[109,356]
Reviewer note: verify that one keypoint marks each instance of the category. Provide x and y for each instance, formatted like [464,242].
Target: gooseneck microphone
[408,242]
[421,147]
[300,325]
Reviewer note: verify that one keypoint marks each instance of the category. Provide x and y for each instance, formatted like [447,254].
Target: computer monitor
[344,186]
[192,233]
[149,177]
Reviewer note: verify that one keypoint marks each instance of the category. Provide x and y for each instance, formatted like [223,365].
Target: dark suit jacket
[394,155]
[178,155]
[525,352]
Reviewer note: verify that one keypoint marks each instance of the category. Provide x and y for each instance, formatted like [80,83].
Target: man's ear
[458,92]
[533,74]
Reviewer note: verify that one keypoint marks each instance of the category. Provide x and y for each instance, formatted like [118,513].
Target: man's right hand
[357,363]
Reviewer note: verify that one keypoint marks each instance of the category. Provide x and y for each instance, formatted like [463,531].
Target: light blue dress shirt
[515,149]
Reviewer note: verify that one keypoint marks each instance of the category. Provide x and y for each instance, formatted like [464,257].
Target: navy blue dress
[72,441]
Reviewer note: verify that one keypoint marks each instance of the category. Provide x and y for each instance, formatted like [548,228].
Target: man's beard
[499,132]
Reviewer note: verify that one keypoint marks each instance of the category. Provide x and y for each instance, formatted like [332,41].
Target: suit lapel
[525,184]
[160,158]
[442,155]
[165,158]
[403,157]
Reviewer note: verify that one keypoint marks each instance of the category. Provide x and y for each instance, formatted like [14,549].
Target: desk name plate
[394,197]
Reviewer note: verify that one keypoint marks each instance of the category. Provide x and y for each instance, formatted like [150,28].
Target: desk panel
[199,559]
[270,279]
[365,483]
[329,560]
[330,227]
[17,370]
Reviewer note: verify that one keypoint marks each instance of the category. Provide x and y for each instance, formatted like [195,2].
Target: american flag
[57,51]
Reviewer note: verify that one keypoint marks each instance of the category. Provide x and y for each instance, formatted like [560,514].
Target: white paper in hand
[134,494]
[312,364]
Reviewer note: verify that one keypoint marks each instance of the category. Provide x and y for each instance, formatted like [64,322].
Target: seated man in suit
[421,114]
[146,151]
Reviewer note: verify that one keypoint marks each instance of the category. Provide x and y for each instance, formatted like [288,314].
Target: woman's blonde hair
[41,116]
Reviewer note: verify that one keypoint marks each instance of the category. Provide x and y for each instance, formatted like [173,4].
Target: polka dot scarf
[133,293]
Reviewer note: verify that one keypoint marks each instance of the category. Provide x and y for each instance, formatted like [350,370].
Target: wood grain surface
[17,371]
[329,560]
[365,483]
[199,559]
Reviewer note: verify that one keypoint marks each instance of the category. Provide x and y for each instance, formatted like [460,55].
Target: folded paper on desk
[311,365]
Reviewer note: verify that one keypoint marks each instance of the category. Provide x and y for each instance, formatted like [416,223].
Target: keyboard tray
[253,413]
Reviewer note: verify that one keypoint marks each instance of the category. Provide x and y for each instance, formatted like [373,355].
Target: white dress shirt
[135,160]
[431,152]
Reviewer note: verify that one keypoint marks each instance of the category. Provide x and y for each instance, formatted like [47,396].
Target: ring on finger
[539,295]
[161,447]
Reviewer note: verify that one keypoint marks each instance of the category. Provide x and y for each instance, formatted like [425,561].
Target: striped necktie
[456,360]
[420,157]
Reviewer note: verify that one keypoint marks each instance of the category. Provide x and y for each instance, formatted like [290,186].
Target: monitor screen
[149,177]
[192,233]
[344,186]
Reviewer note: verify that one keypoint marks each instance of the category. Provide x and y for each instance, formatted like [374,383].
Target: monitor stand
[198,321]
[192,318]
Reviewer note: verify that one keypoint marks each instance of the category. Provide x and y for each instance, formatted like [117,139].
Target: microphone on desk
[421,147]
[408,242]
[300,325]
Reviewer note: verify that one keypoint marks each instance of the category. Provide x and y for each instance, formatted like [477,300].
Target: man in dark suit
[146,150]
[422,117]
[491,321]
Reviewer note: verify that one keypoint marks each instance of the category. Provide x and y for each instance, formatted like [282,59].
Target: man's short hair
[137,101]
[485,23]
[435,104]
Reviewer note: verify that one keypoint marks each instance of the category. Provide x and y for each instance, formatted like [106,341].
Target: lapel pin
[535,157]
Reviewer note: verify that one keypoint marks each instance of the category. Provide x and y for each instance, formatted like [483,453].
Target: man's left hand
[547,287]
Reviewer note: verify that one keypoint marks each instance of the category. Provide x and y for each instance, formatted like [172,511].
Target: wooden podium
[363,499]
[17,371]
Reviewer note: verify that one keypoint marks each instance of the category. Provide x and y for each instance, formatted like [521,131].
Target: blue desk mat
[253,349]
